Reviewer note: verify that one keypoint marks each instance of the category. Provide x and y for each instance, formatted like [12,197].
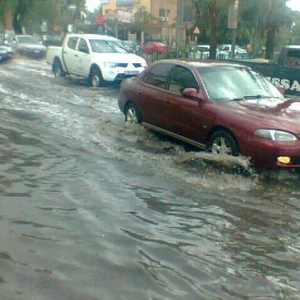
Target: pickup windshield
[230,83]
[106,46]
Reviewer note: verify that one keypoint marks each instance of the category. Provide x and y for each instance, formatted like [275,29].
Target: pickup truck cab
[286,72]
[98,58]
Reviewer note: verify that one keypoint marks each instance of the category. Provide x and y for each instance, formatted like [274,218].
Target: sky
[294,4]
[92,4]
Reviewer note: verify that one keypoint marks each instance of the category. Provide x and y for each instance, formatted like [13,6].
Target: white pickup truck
[98,58]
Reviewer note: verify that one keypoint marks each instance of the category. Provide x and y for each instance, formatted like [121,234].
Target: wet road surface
[91,208]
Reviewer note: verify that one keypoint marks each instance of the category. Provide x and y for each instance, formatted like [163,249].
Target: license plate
[36,51]
[131,72]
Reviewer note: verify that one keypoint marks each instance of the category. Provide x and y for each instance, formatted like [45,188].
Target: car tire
[132,114]
[96,79]
[58,69]
[222,142]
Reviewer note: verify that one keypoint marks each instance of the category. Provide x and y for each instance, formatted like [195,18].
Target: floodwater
[93,209]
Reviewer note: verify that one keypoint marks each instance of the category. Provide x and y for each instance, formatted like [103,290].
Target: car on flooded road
[222,107]
[29,45]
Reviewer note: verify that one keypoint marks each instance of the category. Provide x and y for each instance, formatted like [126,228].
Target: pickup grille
[122,65]
[137,65]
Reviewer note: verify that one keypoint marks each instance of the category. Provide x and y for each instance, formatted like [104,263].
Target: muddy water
[93,209]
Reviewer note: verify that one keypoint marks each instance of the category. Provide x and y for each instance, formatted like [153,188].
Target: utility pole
[232,24]
[178,23]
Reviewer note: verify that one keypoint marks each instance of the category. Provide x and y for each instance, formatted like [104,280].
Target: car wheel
[96,79]
[58,69]
[222,142]
[132,114]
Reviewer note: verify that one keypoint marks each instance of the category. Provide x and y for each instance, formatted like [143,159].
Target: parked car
[224,52]
[154,47]
[200,52]
[5,50]
[29,45]
[222,107]
[97,58]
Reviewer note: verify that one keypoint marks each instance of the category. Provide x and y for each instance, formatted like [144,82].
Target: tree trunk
[213,12]
[270,43]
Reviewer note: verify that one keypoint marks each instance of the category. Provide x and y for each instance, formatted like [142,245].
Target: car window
[83,47]
[72,42]
[107,46]
[230,83]
[180,79]
[158,75]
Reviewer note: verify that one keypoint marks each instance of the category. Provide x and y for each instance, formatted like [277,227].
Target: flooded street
[93,209]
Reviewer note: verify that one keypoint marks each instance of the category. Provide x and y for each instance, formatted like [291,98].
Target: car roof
[94,36]
[203,63]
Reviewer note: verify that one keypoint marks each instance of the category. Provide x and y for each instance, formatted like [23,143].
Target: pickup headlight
[275,135]
[110,65]
[144,64]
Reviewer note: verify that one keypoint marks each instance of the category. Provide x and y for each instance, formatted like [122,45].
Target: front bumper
[265,153]
[118,74]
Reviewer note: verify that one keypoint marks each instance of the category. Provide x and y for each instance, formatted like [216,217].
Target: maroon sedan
[221,107]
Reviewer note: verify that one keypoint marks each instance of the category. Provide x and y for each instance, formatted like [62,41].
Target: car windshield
[28,40]
[229,83]
[106,46]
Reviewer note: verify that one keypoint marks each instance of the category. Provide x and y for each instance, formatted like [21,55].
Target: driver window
[82,47]
[180,79]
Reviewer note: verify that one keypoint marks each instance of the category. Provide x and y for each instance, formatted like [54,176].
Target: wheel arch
[56,59]
[223,128]
[94,66]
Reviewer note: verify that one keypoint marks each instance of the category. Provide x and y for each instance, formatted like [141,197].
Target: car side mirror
[190,93]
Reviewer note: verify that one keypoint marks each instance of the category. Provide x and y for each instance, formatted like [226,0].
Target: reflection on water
[93,209]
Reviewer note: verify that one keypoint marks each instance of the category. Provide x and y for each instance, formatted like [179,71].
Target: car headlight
[275,135]
[110,64]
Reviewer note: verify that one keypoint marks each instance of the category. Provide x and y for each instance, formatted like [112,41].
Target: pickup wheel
[58,69]
[96,79]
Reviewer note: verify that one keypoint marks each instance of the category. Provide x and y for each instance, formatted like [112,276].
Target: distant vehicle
[224,52]
[29,45]
[98,58]
[200,52]
[285,72]
[154,47]
[225,108]
[6,51]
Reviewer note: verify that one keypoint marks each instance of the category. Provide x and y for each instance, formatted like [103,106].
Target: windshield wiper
[250,97]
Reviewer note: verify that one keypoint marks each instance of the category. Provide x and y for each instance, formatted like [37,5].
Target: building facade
[160,20]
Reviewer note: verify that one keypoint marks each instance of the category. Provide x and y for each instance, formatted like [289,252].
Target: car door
[184,116]
[84,58]
[152,92]
[70,55]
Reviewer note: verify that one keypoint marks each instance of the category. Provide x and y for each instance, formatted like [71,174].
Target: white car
[98,58]
[224,52]
[29,45]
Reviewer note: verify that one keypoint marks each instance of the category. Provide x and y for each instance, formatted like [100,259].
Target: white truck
[98,58]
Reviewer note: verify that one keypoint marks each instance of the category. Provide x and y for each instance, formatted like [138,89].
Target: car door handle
[139,93]
[76,55]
